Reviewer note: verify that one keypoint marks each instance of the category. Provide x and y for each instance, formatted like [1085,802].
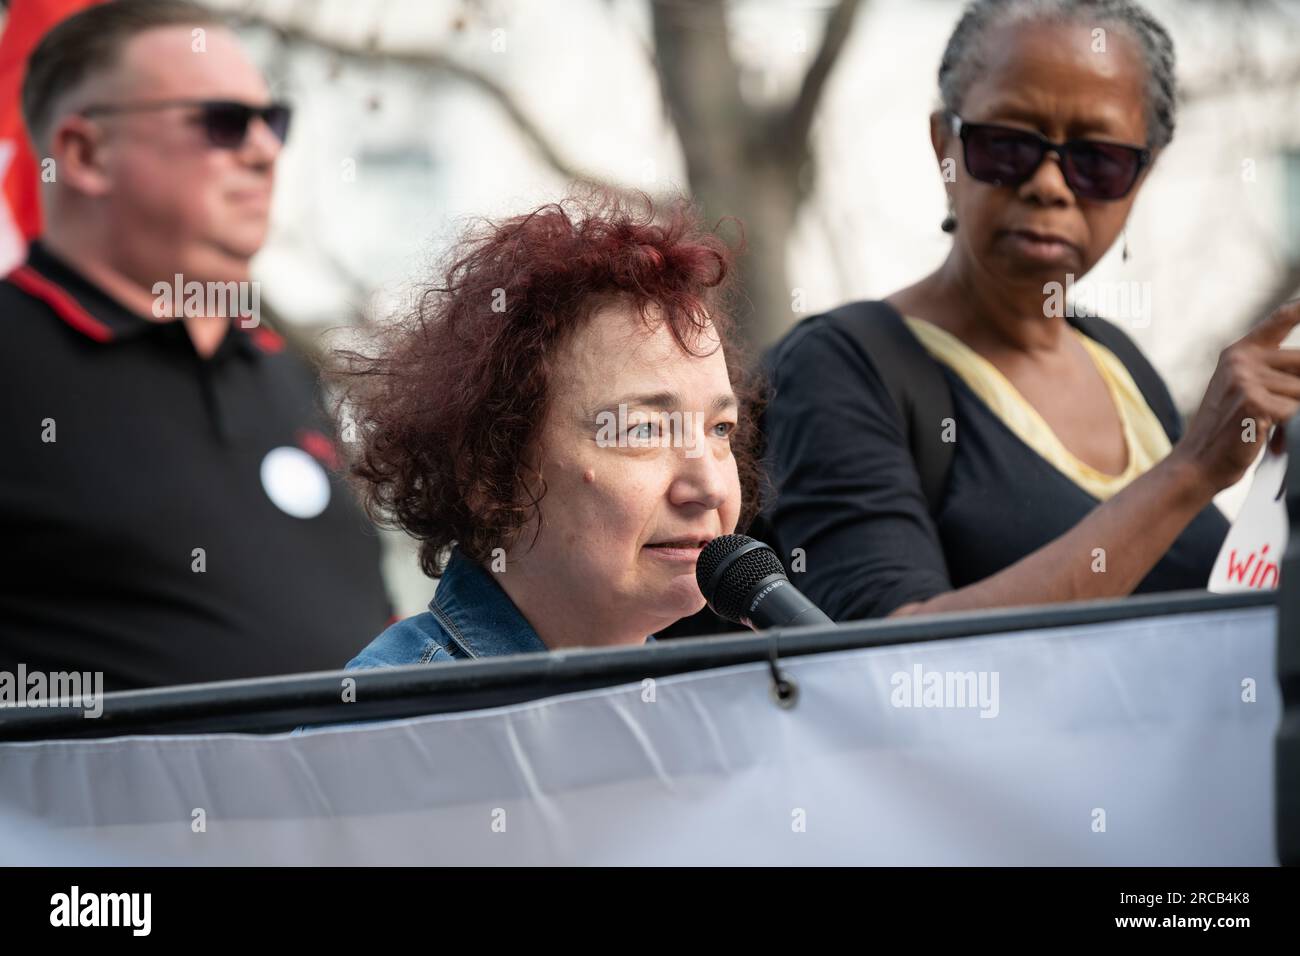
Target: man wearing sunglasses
[168,499]
[966,442]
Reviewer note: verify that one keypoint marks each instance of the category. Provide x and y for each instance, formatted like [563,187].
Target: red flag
[20,211]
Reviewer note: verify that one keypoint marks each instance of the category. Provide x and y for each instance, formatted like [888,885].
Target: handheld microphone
[744,583]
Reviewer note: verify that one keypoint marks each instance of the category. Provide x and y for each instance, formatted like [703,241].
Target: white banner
[1145,742]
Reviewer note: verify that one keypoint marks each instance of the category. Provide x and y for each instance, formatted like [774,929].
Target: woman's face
[636,455]
[1052,79]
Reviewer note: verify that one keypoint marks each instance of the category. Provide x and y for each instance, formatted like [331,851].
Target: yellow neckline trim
[1145,440]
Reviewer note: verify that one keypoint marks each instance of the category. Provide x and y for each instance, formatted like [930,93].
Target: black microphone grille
[714,553]
[738,581]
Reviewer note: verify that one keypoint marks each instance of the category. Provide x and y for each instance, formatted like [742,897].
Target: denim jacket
[470,616]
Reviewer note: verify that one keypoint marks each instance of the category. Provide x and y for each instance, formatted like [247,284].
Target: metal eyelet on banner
[784,691]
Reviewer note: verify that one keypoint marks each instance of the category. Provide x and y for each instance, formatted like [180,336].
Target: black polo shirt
[166,518]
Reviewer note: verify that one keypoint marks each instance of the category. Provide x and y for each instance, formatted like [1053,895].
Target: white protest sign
[1251,556]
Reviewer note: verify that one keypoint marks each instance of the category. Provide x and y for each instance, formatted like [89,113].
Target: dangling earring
[1125,253]
[949,223]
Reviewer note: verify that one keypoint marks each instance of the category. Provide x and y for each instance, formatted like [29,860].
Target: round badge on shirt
[295,482]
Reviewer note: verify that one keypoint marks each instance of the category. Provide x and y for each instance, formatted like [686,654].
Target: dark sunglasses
[224,121]
[1006,156]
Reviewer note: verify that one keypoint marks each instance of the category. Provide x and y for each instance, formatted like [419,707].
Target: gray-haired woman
[1070,475]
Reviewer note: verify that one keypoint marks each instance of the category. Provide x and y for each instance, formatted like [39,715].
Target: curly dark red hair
[449,401]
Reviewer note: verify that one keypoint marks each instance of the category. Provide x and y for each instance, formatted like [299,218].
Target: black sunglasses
[1006,156]
[225,121]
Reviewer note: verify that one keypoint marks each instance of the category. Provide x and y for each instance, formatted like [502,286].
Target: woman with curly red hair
[563,423]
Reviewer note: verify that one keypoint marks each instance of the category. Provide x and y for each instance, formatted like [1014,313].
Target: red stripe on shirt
[64,305]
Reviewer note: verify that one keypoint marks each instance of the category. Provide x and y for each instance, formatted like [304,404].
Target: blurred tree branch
[370,53]
[799,117]
[745,161]
[750,162]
